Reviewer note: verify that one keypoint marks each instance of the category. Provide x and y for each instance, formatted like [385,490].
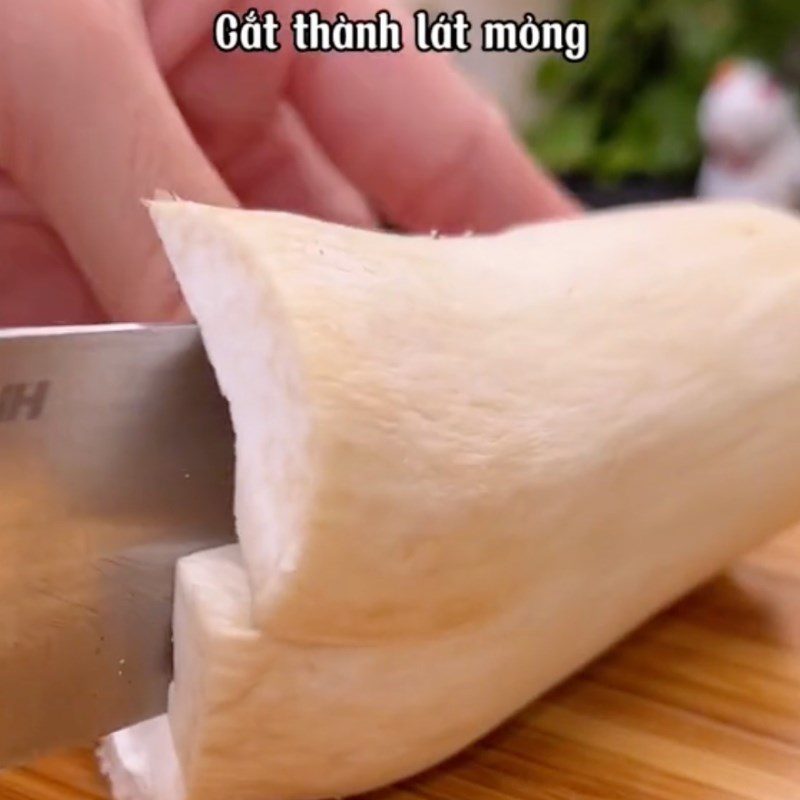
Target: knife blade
[116,459]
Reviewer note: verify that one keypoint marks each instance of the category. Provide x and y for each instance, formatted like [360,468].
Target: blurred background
[658,106]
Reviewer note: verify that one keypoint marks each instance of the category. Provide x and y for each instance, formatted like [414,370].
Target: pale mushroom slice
[464,468]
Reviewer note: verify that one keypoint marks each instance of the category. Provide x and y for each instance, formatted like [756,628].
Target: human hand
[104,102]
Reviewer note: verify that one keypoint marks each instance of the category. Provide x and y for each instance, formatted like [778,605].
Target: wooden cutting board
[704,702]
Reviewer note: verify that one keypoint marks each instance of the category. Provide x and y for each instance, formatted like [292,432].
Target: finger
[88,129]
[38,283]
[286,169]
[228,99]
[410,132]
[405,128]
[267,156]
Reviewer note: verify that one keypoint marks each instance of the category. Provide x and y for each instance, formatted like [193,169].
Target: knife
[116,459]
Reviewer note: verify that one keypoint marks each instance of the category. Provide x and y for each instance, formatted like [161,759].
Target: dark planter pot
[630,191]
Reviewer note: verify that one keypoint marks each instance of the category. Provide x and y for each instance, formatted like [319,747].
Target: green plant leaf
[566,143]
[630,107]
[657,137]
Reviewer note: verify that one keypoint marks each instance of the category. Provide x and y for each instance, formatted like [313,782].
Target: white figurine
[751,131]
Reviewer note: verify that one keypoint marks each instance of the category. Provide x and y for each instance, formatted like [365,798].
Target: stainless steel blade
[116,458]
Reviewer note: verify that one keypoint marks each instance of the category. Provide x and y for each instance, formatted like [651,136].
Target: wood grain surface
[703,703]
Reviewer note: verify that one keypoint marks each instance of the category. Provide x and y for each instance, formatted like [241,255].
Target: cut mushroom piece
[464,468]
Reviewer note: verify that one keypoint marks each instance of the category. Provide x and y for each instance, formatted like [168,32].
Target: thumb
[89,129]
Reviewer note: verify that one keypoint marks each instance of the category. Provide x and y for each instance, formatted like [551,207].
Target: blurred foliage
[630,108]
